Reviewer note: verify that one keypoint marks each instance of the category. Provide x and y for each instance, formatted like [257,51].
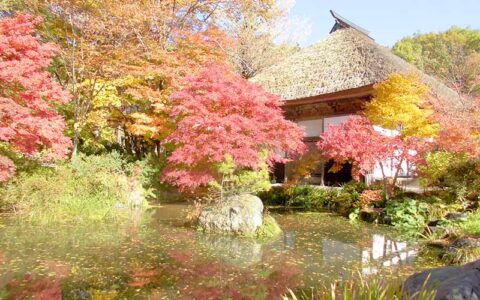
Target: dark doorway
[279,173]
[338,178]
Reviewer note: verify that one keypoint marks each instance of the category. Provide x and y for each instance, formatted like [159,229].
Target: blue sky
[388,21]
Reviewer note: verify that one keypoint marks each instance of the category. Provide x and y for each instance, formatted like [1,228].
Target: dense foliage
[453,56]
[400,103]
[356,141]
[88,188]
[29,124]
[459,175]
[122,60]
[221,115]
[120,80]
[344,200]
[407,213]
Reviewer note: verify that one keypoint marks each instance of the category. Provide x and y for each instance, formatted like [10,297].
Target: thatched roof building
[346,63]
[325,83]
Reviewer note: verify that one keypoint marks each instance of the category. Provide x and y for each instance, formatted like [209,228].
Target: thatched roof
[346,59]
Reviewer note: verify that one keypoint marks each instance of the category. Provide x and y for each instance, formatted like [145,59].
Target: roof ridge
[343,23]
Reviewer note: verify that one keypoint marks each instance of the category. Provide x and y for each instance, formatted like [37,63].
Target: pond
[152,257]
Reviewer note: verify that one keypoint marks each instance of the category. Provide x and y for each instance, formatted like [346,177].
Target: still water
[152,257]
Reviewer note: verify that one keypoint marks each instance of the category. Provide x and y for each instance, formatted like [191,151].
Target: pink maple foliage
[357,142]
[219,113]
[29,123]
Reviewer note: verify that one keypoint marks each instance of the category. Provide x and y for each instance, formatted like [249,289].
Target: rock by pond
[241,214]
[456,216]
[453,282]
[456,250]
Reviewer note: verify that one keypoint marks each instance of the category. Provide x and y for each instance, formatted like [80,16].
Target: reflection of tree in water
[36,286]
[149,256]
[385,252]
[232,250]
[210,279]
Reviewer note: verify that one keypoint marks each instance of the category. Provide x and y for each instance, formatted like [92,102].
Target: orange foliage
[367,197]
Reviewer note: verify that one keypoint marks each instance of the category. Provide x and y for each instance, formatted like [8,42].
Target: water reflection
[151,257]
[388,253]
[232,250]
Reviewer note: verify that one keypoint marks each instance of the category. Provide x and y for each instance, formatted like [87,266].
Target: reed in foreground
[360,288]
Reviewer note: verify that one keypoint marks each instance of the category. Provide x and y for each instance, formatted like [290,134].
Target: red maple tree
[357,142]
[29,124]
[219,113]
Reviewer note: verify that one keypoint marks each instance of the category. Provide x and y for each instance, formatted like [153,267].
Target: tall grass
[360,288]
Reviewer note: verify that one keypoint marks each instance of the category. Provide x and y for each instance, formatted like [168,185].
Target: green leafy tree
[453,56]
[237,181]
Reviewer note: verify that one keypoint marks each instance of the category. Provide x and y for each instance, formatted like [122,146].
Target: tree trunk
[385,182]
[396,173]
[76,140]
[322,173]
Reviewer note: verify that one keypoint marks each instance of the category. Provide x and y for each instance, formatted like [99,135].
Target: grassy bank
[97,187]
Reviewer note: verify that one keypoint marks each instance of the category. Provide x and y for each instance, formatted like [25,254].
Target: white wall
[389,170]
[313,128]
[334,121]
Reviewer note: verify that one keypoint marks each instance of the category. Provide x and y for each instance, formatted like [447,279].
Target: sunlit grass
[360,288]
[93,188]
[471,226]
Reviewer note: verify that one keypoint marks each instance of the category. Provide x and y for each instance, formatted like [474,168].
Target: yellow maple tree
[400,103]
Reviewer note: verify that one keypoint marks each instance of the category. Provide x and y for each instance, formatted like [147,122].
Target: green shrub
[309,197]
[269,228]
[457,174]
[471,226]
[151,170]
[87,188]
[354,187]
[439,196]
[235,181]
[344,202]
[346,199]
[349,197]
[406,213]
[277,195]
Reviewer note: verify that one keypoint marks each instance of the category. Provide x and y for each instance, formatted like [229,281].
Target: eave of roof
[360,92]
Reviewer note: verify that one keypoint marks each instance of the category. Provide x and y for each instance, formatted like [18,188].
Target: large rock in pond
[240,214]
[454,282]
